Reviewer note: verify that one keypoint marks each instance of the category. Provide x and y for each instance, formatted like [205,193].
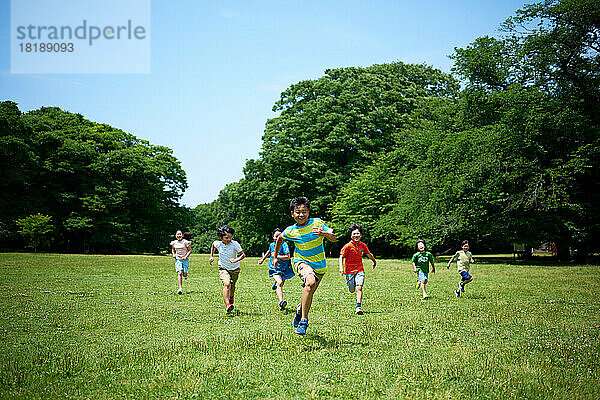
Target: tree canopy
[106,190]
[511,156]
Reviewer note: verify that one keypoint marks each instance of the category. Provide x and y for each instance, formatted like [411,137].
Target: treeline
[69,184]
[504,150]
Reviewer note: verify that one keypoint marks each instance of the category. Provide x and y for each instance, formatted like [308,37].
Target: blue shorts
[465,275]
[182,265]
[354,280]
[422,275]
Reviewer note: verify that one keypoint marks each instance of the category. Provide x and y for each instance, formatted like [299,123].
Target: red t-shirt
[353,253]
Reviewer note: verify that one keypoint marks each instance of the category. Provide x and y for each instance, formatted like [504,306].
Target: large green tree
[515,158]
[105,189]
[328,129]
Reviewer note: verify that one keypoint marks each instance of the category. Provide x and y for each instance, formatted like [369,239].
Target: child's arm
[329,235]
[265,255]
[240,257]
[278,245]
[342,264]
[372,259]
[212,253]
[189,251]
[173,251]
[432,267]
[414,267]
[284,257]
[450,260]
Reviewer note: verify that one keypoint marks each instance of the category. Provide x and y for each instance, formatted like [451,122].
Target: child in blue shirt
[284,268]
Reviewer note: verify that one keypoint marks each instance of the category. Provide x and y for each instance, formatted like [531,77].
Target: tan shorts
[304,270]
[228,276]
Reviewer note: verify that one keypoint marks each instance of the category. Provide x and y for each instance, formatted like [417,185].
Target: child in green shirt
[420,262]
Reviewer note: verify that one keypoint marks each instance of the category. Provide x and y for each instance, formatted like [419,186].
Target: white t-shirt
[181,248]
[227,252]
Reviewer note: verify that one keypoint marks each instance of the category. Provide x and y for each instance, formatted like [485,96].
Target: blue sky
[217,68]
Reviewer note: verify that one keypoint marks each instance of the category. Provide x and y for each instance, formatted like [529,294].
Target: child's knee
[227,284]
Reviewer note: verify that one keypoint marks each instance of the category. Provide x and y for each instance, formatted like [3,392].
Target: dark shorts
[465,275]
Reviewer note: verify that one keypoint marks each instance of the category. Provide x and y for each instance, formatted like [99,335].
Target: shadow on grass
[239,313]
[315,342]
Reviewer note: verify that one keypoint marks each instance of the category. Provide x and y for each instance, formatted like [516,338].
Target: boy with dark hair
[420,262]
[351,264]
[230,255]
[464,259]
[309,256]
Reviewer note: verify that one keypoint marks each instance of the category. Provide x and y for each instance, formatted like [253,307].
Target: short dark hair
[224,230]
[188,235]
[421,241]
[464,242]
[299,201]
[354,226]
[277,230]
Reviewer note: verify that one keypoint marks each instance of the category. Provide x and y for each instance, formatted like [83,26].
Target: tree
[107,190]
[328,129]
[35,229]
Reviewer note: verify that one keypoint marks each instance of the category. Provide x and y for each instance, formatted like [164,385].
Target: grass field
[76,326]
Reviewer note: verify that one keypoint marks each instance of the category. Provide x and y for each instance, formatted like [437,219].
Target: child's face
[356,235]
[178,235]
[465,246]
[276,235]
[226,239]
[300,214]
[421,247]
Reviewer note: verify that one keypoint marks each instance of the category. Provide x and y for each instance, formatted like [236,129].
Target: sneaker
[180,291]
[229,308]
[274,286]
[301,329]
[359,311]
[457,292]
[462,287]
[425,297]
[282,305]
[297,317]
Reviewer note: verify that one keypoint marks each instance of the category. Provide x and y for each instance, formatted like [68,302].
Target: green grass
[75,326]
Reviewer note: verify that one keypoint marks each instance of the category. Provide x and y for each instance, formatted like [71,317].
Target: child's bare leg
[467,281]
[310,286]
[180,279]
[232,290]
[359,294]
[226,291]
[279,288]
[423,287]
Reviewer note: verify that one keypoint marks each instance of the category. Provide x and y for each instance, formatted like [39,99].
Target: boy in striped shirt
[309,255]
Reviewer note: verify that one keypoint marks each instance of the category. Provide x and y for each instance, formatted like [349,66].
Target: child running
[181,250]
[464,259]
[309,256]
[230,255]
[188,236]
[284,269]
[420,262]
[351,264]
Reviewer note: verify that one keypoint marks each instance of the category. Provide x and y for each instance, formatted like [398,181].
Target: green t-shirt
[422,260]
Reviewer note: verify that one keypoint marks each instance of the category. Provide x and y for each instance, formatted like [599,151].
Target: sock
[231,300]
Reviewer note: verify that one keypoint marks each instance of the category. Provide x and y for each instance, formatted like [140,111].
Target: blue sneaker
[301,329]
[462,287]
[297,317]
[457,293]
[274,286]
[282,305]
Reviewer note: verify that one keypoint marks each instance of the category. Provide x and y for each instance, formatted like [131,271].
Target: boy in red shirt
[351,264]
